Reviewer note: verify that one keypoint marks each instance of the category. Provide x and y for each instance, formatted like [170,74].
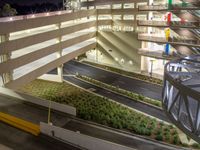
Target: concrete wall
[118,46]
[79,139]
[41,102]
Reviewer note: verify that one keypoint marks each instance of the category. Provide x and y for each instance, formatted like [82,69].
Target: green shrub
[159,137]
[176,139]
[167,136]
[134,96]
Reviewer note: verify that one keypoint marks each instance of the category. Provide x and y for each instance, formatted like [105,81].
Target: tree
[7,10]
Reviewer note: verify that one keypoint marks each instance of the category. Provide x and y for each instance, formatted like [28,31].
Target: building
[137,35]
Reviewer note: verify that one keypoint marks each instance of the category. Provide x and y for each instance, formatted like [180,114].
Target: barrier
[79,139]
[20,124]
[41,102]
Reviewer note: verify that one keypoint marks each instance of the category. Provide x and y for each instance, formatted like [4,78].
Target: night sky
[28,2]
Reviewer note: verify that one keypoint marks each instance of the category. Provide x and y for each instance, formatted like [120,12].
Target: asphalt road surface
[158,113]
[29,112]
[130,84]
[18,140]
[127,140]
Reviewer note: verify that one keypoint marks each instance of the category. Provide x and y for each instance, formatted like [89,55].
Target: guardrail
[181,94]
[31,16]
[20,124]
[37,101]
[79,139]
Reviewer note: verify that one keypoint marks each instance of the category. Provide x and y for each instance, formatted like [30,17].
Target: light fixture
[130,62]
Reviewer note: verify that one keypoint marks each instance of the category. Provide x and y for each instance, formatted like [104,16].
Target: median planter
[101,110]
[131,95]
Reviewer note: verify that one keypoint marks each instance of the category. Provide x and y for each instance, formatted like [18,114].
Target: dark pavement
[29,112]
[130,84]
[158,113]
[19,140]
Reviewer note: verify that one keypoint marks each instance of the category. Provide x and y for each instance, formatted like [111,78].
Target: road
[158,113]
[120,138]
[130,84]
[19,140]
[29,112]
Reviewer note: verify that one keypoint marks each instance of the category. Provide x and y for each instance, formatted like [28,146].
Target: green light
[170,4]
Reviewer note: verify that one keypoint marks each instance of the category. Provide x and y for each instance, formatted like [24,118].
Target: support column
[59,54]
[122,17]
[8,76]
[144,60]
[97,30]
[135,22]
[112,21]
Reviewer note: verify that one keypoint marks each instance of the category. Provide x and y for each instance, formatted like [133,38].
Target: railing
[151,38]
[152,23]
[182,6]
[183,40]
[152,7]
[161,39]
[31,16]
[166,24]
[181,94]
[185,24]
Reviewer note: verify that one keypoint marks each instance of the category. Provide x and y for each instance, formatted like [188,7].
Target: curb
[116,102]
[151,105]
[126,133]
[85,63]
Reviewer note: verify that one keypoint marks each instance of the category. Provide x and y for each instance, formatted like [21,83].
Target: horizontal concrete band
[127,11]
[40,71]
[30,57]
[18,25]
[117,22]
[20,124]
[79,139]
[12,45]
[102,2]
[38,101]
[163,40]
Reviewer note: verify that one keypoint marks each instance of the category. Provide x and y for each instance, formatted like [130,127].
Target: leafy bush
[176,139]
[159,137]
